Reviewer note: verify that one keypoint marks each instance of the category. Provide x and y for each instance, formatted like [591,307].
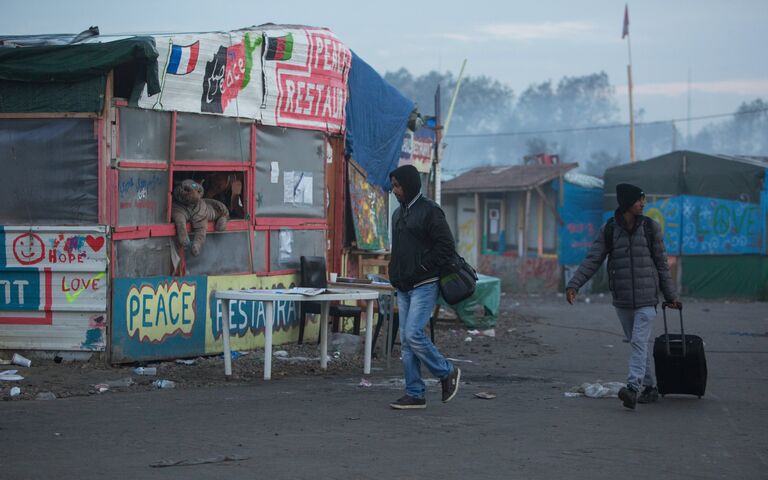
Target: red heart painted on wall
[95,242]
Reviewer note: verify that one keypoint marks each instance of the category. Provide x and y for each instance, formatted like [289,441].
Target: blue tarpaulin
[581,212]
[377,117]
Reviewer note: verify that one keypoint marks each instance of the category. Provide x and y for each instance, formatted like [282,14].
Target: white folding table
[384,289]
[269,297]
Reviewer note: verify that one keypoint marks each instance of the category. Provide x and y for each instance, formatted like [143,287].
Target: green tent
[690,173]
[72,78]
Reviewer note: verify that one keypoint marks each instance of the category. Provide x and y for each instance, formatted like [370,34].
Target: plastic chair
[313,275]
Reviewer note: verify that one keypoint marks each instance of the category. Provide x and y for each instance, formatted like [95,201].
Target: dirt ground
[512,340]
[308,423]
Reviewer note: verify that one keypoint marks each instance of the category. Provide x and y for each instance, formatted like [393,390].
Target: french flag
[183,58]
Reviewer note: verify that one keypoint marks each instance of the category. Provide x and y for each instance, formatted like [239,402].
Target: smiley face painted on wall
[28,249]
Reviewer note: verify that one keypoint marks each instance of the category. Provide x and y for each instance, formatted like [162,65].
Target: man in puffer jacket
[421,243]
[636,273]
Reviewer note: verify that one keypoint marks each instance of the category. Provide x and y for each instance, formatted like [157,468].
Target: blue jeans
[416,308]
[638,324]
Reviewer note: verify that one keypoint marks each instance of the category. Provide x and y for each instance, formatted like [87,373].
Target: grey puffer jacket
[634,276]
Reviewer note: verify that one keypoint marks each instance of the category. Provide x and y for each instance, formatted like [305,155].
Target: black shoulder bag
[457,280]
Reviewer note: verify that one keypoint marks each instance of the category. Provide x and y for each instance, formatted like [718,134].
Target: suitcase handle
[666,332]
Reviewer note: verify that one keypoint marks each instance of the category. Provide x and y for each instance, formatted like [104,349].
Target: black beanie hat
[627,195]
[408,178]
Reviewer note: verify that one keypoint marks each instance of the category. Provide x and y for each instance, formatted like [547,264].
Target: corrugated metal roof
[505,178]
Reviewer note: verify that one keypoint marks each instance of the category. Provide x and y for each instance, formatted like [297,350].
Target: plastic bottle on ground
[145,371]
[164,384]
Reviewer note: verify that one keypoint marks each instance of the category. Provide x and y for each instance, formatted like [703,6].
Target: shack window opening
[228,187]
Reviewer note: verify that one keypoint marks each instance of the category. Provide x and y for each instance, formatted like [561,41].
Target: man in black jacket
[421,243]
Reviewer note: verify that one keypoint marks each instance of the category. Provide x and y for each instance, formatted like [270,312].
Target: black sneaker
[407,402]
[628,396]
[451,384]
[648,395]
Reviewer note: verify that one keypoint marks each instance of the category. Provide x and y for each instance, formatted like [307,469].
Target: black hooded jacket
[421,238]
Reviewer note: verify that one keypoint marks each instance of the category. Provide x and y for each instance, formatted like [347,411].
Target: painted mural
[172,317]
[53,287]
[707,226]
[369,212]
[669,214]
[247,319]
[158,317]
[715,226]
[290,77]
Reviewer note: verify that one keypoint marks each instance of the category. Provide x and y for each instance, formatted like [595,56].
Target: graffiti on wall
[142,196]
[154,312]
[48,249]
[467,245]
[247,318]
[717,226]
[668,214]
[167,317]
[531,275]
[710,226]
[158,317]
[47,272]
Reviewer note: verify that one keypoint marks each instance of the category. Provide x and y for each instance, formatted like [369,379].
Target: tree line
[576,118]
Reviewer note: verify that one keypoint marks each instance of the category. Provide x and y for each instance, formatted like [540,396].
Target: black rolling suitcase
[681,366]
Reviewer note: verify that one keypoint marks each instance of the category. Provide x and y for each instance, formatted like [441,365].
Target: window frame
[250,223]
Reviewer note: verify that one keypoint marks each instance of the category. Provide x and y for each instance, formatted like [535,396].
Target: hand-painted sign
[423,148]
[293,77]
[40,249]
[53,287]
[308,88]
[247,319]
[417,149]
[158,317]
[155,312]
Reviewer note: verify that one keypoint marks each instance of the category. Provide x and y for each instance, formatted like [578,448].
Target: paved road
[328,427]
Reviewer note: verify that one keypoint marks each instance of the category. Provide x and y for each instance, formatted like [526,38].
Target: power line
[604,127]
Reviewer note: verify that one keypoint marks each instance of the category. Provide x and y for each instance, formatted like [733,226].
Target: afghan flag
[279,48]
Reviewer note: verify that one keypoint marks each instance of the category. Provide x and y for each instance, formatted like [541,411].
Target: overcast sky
[721,45]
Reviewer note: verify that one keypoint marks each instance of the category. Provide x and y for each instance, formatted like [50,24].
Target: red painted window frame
[251,223]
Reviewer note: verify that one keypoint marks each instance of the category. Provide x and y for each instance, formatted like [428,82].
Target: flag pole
[629,86]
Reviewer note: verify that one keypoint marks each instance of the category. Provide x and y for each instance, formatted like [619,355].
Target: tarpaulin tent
[690,173]
[377,118]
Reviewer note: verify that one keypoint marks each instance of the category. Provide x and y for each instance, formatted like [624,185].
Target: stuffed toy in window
[190,206]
